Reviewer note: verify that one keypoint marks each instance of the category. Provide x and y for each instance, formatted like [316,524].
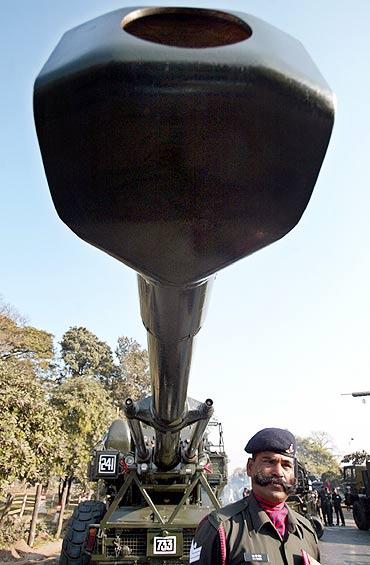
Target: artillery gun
[177,140]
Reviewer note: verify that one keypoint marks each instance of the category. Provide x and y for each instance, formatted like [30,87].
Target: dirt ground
[23,554]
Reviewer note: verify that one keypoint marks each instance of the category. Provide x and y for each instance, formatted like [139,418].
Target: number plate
[164,545]
[107,464]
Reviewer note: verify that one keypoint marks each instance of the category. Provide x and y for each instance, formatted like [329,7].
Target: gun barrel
[172,317]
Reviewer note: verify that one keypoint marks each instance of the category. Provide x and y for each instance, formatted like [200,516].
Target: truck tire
[86,513]
[319,528]
[360,515]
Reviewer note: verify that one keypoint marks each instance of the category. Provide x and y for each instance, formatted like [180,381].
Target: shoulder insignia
[195,552]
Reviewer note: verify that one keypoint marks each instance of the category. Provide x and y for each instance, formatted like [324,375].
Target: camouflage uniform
[243,533]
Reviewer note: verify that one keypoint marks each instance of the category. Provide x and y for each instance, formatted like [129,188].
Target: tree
[315,453]
[322,439]
[30,436]
[51,427]
[85,411]
[132,377]
[84,355]
[24,342]
[357,457]
[29,431]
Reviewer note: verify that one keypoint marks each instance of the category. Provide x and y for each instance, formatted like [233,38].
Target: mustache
[264,480]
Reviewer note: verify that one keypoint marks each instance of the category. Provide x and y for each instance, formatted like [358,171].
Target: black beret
[272,439]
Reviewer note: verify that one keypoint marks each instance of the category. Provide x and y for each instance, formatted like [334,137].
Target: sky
[288,328]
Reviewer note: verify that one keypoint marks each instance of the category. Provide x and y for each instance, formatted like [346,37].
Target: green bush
[12,529]
[44,531]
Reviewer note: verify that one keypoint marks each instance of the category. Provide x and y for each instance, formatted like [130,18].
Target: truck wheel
[86,513]
[360,516]
[319,528]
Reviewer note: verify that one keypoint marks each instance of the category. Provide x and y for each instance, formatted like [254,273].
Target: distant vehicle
[357,483]
[304,501]
[317,485]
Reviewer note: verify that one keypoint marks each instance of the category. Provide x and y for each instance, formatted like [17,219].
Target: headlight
[129,460]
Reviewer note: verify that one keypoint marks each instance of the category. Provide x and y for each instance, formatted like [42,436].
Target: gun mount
[178,140]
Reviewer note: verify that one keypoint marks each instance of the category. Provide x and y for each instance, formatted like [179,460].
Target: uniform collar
[259,518]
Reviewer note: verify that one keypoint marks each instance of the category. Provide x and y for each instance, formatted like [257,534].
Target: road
[338,546]
[345,546]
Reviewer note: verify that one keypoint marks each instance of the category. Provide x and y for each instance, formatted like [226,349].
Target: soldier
[260,527]
[337,503]
[317,502]
[326,507]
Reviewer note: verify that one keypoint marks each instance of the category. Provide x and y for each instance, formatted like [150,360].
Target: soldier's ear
[250,464]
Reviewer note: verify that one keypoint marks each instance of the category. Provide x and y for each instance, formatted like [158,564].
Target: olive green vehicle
[178,141]
[356,480]
[304,500]
[357,483]
[147,514]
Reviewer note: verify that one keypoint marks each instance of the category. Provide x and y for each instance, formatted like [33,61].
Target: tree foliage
[132,377]
[48,427]
[91,384]
[24,342]
[29,431]
[84,355]
[315,452]
[85,411]
[30,438]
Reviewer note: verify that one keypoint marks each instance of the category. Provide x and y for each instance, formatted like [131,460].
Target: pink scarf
[277,513]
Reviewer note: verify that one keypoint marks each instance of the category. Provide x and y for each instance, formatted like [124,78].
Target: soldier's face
[272,475]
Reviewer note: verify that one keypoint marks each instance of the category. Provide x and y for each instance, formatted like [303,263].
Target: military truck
[356,480]
[159,510]
[357,483]
[177,140]
[304,500]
